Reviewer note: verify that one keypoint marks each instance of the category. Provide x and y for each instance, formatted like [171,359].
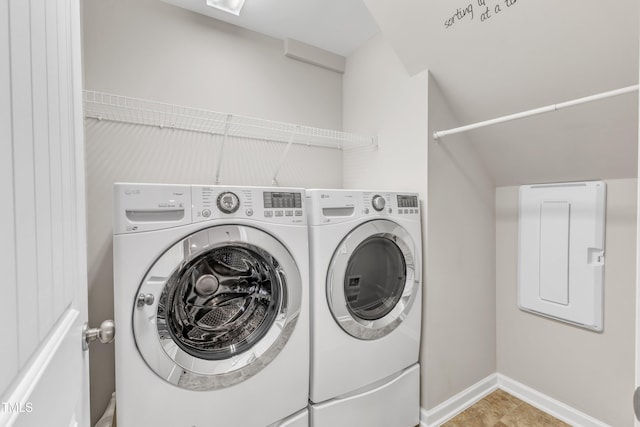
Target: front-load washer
[366,257]
[211,305]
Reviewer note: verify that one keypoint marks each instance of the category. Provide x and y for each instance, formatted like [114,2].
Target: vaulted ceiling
[497,57]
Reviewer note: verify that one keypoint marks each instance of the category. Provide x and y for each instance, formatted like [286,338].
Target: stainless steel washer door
[225,301]
[373,279]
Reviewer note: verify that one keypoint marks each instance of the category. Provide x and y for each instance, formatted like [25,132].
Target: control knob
[228,202]
[378,203]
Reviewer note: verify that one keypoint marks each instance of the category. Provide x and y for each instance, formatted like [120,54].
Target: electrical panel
[561,251]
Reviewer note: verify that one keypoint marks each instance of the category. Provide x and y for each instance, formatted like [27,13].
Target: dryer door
[217,307]
[373,279]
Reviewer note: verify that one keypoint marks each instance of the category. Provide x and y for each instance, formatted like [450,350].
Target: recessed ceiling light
[229,6]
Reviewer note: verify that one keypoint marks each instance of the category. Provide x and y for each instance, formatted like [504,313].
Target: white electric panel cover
[561,251]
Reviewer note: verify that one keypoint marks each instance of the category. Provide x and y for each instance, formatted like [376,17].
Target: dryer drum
[222,302]
[375,278]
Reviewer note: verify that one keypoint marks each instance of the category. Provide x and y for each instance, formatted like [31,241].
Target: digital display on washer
[282,200]
[407,201]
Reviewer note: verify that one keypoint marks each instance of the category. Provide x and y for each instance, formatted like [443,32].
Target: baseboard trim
[548,404]
[461,401]
[458,403]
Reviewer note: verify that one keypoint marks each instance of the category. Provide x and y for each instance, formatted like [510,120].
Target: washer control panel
[228,202]
[147,207]
[282,203]
[378,202]
[279,205]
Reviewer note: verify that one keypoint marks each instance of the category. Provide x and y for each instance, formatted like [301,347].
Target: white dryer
[365,252]
[211,305]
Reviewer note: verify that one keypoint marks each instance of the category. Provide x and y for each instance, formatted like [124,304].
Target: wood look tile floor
[500,409]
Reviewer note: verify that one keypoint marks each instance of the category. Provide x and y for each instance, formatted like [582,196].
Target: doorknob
[105,334]
[636,403]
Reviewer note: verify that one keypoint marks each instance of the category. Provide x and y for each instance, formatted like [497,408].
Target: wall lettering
[486,12]
[460,14]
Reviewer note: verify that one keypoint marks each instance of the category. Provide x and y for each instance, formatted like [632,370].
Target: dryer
[211,304]
[366,257]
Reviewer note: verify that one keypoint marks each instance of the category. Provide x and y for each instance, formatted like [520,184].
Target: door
[636,396]
[373,279]
[228,299]
[43,304]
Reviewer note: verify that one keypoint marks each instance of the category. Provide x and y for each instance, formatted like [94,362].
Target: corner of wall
[460,317]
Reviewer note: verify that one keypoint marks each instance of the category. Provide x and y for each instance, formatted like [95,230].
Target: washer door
[373,279]
[217,307]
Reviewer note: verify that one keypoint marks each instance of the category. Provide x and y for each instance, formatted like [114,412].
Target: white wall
[152,50]
[460,316]
[381,99]
[592,372]
[149,49]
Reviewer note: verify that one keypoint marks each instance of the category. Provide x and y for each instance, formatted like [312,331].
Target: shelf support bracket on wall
[274,181]
[548,109]
[224,141]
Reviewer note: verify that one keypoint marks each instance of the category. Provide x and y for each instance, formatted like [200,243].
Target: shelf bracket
[274,180]
[227,125]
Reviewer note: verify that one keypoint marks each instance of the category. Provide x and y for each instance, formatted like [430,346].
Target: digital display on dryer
[282,200]
[407,201]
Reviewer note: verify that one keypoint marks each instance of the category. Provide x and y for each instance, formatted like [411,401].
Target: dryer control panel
[334,206]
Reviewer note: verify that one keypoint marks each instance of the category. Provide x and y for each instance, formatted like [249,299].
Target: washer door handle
[144,299]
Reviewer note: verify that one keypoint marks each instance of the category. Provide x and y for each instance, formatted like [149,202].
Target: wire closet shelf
[124,109]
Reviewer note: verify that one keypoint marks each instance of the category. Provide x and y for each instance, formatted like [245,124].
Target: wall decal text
[480,7]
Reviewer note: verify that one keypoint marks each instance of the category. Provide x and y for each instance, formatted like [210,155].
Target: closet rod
[550,108]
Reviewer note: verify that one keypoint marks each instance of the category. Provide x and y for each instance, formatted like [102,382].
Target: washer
[366,295]
[211,305]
